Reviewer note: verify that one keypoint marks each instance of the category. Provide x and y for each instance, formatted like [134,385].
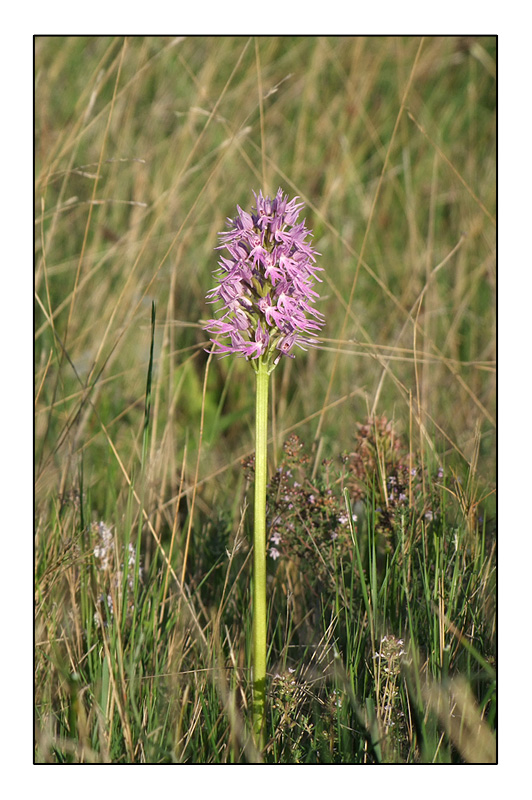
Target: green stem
[259,555]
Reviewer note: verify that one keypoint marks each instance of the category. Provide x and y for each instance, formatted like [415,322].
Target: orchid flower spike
[266,283]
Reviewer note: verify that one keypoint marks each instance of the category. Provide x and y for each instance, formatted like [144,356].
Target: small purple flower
[266,283]
[274,553]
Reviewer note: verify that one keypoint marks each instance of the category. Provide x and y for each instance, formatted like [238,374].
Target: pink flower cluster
[265,283]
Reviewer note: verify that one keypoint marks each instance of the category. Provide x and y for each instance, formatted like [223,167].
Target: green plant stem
[259,555]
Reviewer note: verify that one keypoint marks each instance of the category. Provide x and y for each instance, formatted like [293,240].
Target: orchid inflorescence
[266,283]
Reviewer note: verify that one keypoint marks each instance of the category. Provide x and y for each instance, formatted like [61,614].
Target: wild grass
[382,628]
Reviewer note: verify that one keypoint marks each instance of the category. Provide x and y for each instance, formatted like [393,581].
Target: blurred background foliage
[145,145]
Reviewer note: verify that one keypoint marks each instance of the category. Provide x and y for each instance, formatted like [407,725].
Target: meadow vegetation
[381,496]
